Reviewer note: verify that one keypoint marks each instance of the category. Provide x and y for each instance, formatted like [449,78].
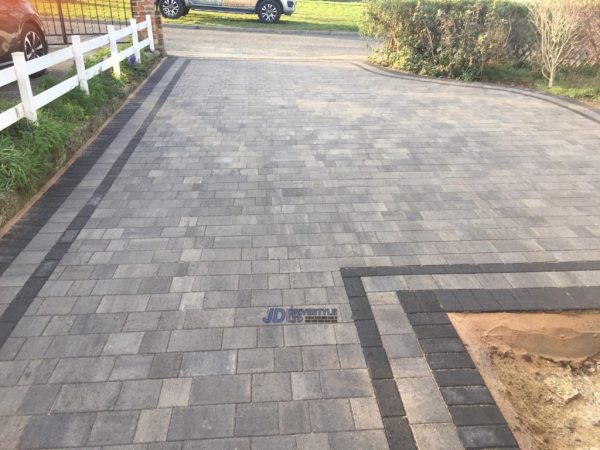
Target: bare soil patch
[543,370]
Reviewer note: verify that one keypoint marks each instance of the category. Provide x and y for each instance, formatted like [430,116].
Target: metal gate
[64,18]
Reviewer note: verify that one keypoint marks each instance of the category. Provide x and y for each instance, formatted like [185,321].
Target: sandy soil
[544,372]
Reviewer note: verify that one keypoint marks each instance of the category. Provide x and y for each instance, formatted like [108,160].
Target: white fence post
[24,86]
[135,41]
[150,31]
[114,51]
[79,63]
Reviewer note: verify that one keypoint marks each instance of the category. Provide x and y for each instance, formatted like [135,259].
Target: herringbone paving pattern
[253,185]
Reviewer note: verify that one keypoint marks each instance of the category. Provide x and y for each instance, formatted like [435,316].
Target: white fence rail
[22,69]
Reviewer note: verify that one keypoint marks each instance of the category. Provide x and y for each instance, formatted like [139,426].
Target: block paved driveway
[249,185]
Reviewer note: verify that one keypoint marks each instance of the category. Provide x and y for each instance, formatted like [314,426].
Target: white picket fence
[22,69]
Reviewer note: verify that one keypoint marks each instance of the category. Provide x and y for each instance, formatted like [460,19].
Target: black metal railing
[64,18]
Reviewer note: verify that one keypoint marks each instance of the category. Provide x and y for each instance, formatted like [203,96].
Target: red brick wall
[140,9]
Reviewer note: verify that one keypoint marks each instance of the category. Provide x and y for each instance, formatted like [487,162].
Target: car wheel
[171,9]
[33,44]
[186,11]
[269,11]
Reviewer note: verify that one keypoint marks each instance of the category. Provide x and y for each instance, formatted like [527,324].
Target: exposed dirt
[544,372]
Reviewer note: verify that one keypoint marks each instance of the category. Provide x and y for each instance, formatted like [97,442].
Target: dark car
[21,30]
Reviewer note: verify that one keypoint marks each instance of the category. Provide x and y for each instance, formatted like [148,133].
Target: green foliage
[30,153]
[451,38]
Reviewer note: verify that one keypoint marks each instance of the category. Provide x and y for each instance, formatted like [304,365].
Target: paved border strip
[17,308]
[393,414]
[585,110]
[478,420]
[19,236]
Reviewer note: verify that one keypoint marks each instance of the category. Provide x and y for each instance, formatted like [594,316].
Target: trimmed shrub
[451,38]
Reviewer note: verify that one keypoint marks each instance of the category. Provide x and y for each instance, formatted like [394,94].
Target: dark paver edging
[478,420]
[18,237]
[17,308]
[587,111]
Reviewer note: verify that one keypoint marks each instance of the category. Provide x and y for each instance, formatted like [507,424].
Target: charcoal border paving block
[460,377]
[70,180]
[399,433]
[485,436]
[478,419]
[476,415]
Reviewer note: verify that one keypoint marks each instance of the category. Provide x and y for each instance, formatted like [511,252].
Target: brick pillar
[140,9]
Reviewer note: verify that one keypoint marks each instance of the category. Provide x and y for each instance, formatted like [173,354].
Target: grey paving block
[368,440]
[366,413]
[410,367]
[401,346]
[113,428]
[218,444]
[98,323]
[141,394]
[271,387]
[11,371]
[123,343]
[175,392]
[346,383]
[11,398]
[351,356]
[330,415]
[38,399]
[194,340]
[306,385]
[58,430]
[131,367]
[320,357]
[87,397]
[155,342]
[423,401]
[78,345]
[437,436]
[166,365]
[153,426]
[221,389]
[256,360]
[209,363]
[30,326]
[201,422]
[288,359]
[294,417]
[38,371]
[244,337]
[270,337]
[81,370]
[256,419]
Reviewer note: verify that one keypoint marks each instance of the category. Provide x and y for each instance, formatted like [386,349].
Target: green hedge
[448,38]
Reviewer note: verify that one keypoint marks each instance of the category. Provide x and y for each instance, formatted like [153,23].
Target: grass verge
[310,15]
[582,84]
[31,153]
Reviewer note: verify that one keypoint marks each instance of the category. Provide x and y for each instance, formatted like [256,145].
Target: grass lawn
[31,154]
[583,84]
[310,15]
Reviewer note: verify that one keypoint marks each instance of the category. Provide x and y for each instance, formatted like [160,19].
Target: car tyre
[269,11]
[33,44]
[171,9]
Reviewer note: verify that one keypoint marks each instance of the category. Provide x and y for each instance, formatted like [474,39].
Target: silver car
[268,11]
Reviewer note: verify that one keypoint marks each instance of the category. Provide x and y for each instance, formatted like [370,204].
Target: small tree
[558,24]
